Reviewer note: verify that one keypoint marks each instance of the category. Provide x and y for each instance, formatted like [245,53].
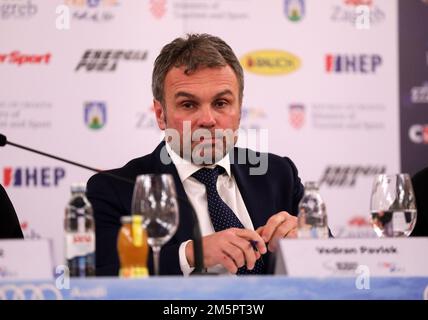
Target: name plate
[401,257]
[25,260]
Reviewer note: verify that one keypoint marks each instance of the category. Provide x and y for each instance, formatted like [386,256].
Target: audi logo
[30,292]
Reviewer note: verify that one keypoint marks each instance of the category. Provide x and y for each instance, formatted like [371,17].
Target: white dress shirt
[196,192]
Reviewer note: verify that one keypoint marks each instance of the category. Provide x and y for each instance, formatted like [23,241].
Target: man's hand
[231,248]
[280,225]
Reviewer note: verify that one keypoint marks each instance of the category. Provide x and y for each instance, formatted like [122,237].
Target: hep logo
[359,63]
[32,177]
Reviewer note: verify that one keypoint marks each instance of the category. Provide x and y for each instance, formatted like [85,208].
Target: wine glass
[155,199]
[393,205]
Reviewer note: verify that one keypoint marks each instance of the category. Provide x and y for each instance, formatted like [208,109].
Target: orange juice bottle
[133,248]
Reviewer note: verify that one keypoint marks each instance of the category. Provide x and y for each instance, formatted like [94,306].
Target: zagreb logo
[32,176]
[418,133]
[357,63]
[296,115]
[17,9]
[270,62]
[157,8]
[348,12]
[294,9]
[147,119]
[358,226]
[95,114]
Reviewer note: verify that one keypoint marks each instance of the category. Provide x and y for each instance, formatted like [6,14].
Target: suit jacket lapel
[251,193]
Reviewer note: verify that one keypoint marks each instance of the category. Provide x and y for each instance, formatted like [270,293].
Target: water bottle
[312,217]
[79,229]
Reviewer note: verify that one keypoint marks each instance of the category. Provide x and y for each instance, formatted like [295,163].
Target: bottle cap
[126,219]
[78,187]
[311,185]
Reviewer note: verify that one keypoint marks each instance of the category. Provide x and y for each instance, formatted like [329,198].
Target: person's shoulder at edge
[420,186]
[9,223]
[421,175]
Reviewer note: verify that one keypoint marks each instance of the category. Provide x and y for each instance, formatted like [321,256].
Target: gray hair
[195,51]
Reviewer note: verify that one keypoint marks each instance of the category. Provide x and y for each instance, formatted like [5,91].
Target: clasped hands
[233,248]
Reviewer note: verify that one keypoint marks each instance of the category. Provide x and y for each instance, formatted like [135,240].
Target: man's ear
[160,114]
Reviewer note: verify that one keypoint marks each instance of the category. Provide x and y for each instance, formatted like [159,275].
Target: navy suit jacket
[264,195]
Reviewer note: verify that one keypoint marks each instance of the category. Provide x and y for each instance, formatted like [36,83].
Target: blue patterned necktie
[222,217]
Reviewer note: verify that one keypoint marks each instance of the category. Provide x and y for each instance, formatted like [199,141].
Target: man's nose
[206,118]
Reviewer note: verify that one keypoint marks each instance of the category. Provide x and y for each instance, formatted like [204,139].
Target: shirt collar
[185,168]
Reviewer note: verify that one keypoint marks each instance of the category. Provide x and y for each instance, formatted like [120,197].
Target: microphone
[196,236]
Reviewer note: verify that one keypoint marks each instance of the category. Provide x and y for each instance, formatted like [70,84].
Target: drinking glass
[393,205]
[155,199]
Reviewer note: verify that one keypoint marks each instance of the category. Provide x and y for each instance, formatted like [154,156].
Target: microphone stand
[196,236]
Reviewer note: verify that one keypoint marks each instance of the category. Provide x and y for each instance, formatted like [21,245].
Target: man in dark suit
[9,223]
[245,201]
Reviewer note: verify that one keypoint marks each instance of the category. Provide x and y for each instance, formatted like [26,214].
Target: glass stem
[156,258]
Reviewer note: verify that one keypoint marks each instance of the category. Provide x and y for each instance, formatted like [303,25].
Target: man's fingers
[233,248]
[228,263]
[252,236]
[292,233]
[272,224]
[248,250]
[281,232]
[235,253]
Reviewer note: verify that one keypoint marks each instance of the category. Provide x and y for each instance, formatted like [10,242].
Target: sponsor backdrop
[321,77]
